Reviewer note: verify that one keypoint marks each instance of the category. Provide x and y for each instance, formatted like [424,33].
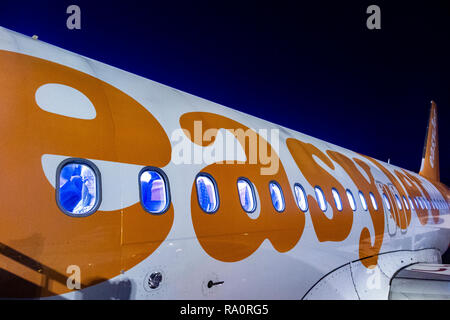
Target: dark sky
[310,66]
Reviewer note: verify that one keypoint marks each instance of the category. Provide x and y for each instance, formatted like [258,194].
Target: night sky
[310,66]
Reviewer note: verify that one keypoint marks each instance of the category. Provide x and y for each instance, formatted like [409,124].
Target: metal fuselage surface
[123,123]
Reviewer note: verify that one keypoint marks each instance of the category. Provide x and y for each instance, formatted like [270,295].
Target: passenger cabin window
[351,199]
[399,203]
[300,195]
[405,202]
[320,199]
[246,195]
[386,201]
[363,200]
[374,201]
[337,199]
[154,191]
[418,204]
[277,196]
[410,202]
[78,188]
[207,194]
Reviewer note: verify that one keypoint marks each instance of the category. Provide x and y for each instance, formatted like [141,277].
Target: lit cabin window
[422,201]
[207,194]
[363,200]
[246,195]
[399,203]
[337,199]
[425,204]
[386,201]
[154,191]
[320,198]
[351,199]
[418,204]
[411,203]
[78,188]
[300,195]
[277,196]
[374,201]
[405,203]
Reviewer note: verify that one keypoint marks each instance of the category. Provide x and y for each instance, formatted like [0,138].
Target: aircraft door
[387,208]
[401,212]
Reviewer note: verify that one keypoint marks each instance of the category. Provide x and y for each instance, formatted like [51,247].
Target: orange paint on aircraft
[230,235]
[413,192]
[339,226]
[434,212]
[366,248]
[105,243]
[430,165]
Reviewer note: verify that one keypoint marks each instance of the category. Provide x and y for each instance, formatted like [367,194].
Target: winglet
[430,158]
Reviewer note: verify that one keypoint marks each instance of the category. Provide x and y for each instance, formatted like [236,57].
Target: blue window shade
[246,195]
[207,194]
[78,186]
[277,196]
[154,193]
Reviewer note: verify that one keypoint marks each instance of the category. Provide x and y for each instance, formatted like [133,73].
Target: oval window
[78,188]
[277,196]
[300,195]
[337,199]
[374,201]
[418,204]
[351,199]
[246,195]
[399,203]
[386,201]
[154,191]
[363,200]
[410,202]
[320,199]
[406,203]
[207,195]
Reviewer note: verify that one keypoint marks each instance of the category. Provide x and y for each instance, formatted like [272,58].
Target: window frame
[216,189]
[252,187]
[304,193]
[347,192]
[373,201]
[386,201]
[98,180]
[166,182]
[364,204]
[411,204]
[282,196]
[339,197]
[324,198]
